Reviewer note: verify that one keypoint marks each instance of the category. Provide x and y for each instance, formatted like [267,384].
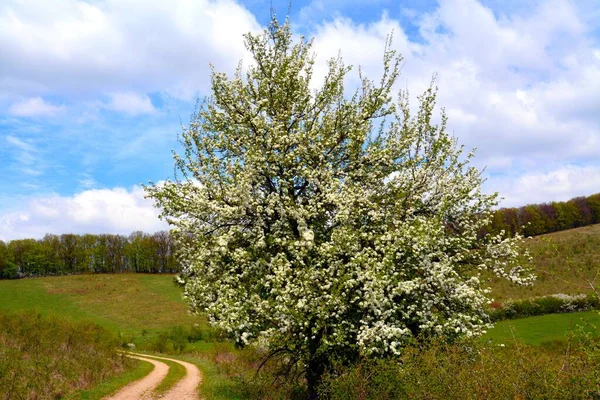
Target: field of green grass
[126,303]
[140,308]
[137,307]
[543,329]
[564,262]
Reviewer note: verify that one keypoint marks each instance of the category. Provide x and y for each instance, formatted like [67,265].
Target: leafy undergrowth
[549,361]
[48,357]
[474,370]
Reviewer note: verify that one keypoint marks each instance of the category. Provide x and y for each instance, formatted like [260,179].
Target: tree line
[155,253]
[537,219]
[72,254]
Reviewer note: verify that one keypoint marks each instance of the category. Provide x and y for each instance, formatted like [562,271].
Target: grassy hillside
[144,309]
[127,303]
[563,261]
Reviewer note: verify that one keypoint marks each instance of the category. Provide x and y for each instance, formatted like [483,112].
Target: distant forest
[537,219]
[75,254]
[155,253]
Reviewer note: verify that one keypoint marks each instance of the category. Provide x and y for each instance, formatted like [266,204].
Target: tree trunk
[314,376]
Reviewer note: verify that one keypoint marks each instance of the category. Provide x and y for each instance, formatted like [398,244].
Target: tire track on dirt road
[185,389]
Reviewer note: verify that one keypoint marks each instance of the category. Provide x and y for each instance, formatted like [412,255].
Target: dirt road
[185,389]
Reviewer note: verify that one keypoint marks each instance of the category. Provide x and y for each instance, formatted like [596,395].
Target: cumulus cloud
[521,86]
[560,184]
[116,210]
[82,48]
[35,107]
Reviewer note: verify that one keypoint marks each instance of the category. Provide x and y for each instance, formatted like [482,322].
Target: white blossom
[319,222]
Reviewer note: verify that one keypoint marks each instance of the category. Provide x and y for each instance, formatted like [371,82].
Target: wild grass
[564,262]
[138,370]
[473,370]
[48,357]
[136,306]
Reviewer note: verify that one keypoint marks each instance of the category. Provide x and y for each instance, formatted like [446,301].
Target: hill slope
[126,303]
[565,262]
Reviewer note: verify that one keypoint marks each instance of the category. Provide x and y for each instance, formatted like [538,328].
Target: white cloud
[558,185]
[82,48]
[131,104]
[116,210]
[35,107]
[522,87]
[521,84]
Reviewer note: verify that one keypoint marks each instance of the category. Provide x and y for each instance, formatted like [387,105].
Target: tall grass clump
[49,358]
[473,370]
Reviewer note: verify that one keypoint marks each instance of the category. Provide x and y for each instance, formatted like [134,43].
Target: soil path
[185,389]
[143,388]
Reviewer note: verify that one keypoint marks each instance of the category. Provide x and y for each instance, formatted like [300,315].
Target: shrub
[161,343]
[557,303]
[196,334]
[11,271]
[179,339]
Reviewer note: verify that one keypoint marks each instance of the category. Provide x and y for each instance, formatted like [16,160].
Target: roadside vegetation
[45,357]
[148,311]
[473,370]
[138,370]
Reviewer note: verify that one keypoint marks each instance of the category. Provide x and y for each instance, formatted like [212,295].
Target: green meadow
[543,329]
[149,312]
[125,303]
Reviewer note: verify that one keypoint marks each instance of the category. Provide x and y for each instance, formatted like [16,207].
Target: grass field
[542,329]
[564,262]
[126,303]
[140,307]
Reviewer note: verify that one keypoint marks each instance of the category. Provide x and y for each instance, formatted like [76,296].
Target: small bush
[11,271]
[196,334]
[162,343]
[179,339]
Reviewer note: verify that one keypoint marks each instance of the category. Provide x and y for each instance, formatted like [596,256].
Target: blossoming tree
[321,224]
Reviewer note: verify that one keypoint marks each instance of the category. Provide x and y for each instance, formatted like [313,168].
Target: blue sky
[92,93]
